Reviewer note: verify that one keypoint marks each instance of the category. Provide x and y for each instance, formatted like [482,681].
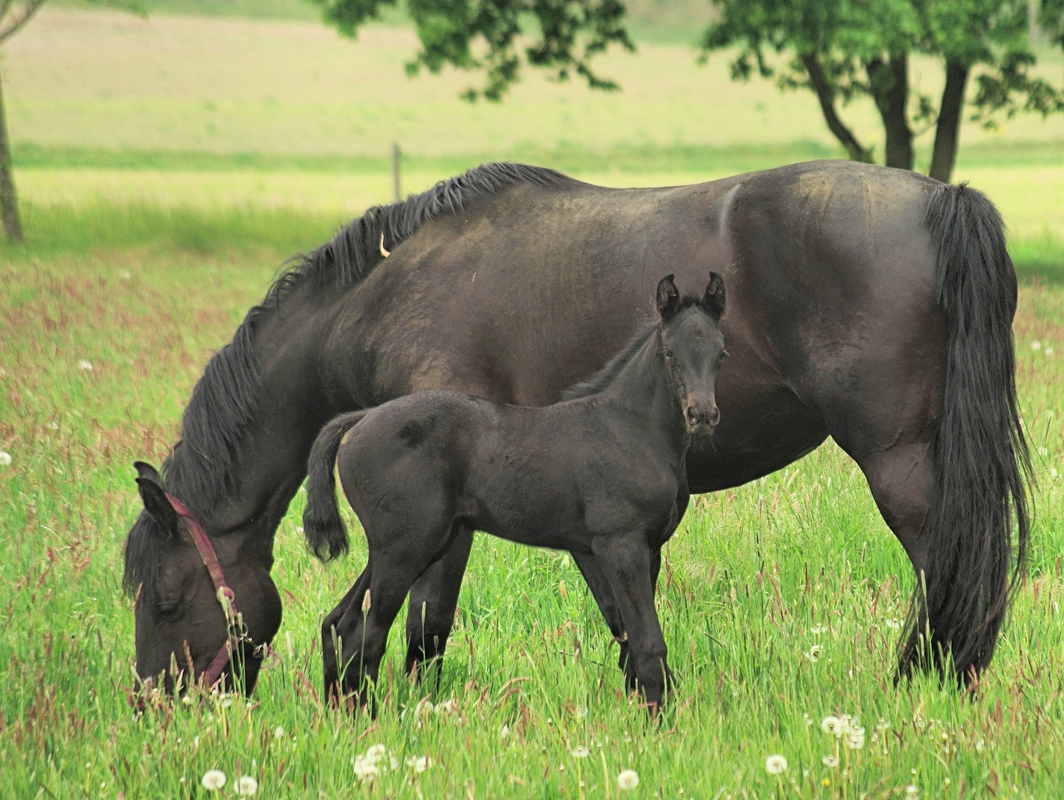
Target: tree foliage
[842,49]
[839,49]
[484,35]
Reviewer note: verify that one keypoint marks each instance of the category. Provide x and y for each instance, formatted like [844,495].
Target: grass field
[168,168]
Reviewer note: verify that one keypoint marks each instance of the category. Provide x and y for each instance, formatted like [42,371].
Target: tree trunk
[8,198]
[890,89]
[822,86]
[948,129]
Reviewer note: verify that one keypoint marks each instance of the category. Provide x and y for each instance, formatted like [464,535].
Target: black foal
[602,473]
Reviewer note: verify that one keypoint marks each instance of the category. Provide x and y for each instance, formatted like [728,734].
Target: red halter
[234,620]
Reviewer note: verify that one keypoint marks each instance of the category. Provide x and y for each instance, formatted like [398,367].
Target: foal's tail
[322,525]
[981,461]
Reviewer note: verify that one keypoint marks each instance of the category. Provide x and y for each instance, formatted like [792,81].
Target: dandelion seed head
[627,779]
[419,763]
[278,732]
[580,751]
[814,653]
[775,765]
[213,780]
[5,458]
[85,365]
[912,791]
[1036,345]
[831,724]
[246,786]
[830,760]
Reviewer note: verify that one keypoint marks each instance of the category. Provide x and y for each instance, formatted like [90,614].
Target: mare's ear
[668,297]
[713,299]
[154,496]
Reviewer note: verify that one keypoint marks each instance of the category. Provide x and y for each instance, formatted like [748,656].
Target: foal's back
[552,477]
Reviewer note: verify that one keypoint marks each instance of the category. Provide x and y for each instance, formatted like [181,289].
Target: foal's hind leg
[433,601]
[330,636]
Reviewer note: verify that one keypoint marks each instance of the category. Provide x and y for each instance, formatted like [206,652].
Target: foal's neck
[644,388]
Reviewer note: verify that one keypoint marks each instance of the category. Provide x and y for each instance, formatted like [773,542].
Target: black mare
[602,474]
[867,304]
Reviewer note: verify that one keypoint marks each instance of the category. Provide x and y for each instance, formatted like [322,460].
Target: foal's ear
[668,297]
[713,299]
[154,496]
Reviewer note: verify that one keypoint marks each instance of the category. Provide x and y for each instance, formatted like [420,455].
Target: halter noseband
[234,620]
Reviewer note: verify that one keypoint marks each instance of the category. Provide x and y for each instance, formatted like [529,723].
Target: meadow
[169,166]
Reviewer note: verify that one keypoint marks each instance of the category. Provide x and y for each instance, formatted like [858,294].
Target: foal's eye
[668,354]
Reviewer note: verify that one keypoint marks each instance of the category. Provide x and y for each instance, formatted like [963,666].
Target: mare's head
[205,606]
[693,348]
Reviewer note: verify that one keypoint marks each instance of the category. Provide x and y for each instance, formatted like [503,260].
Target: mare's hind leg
[888,429]
[433,601]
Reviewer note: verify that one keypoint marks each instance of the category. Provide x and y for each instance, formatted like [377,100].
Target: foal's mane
[201,469]
[605,376]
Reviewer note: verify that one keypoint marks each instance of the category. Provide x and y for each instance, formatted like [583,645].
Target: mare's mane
[201,469]
[605,376]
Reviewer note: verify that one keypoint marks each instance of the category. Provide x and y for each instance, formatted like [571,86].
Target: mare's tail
[981,461]
[322,525]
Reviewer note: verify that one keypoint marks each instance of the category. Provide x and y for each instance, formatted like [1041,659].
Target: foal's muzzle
[701,418]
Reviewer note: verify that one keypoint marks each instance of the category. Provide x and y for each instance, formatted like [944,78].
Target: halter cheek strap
[234,620]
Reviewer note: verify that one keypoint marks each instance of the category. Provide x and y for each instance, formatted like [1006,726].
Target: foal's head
[693,348]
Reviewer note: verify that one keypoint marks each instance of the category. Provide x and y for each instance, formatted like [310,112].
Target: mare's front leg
[433,601]
[627,561]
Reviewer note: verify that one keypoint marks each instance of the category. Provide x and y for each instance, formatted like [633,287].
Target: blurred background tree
[838,49]
[13,17]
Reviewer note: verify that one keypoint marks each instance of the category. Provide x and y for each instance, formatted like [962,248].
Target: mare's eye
[668,353]
[168,612]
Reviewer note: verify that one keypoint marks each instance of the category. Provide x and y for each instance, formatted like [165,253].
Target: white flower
[213,780]
[816,630]
[85,366]
[628,779]
[246,786]
[5,458]
[912,791]
[830,761]
[831,724]
[775,765]
[855,738]
[419,763]
[580,751]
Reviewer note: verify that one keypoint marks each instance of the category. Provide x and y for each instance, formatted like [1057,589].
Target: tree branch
[17,21]
[822,87]
[947,132]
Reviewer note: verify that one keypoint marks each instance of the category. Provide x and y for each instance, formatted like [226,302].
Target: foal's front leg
[628,564]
